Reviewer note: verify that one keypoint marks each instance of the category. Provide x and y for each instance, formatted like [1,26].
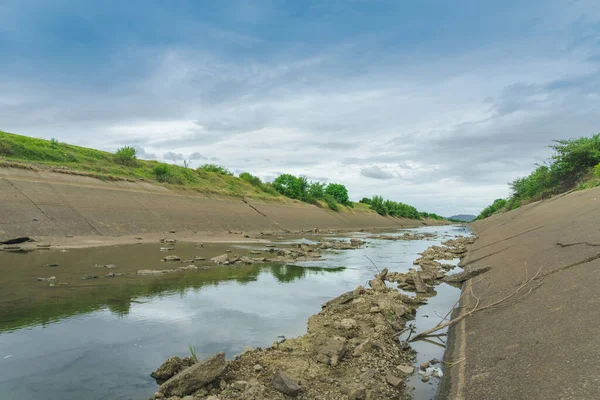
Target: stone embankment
[351,349]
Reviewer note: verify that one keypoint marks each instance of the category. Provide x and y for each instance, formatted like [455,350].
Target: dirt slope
[541,344]
[48,204]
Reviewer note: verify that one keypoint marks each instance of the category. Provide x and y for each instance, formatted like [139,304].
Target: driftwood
[507,300]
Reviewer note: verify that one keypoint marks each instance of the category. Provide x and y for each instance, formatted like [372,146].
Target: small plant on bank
[54,143]
[251,179]
[217,169]
[126,155]
[193,352]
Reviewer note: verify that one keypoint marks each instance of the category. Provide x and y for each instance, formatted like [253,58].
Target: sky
[433,103]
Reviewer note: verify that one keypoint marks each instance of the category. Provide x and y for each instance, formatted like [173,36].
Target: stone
[258,368]
[285,384]
[425,378]
[222,259]
[171,367]
[335,348]
[193,378]
[365,347]
[188,398]
[424,365]
[188,268]
[158,396]
[377,285]
[419,284]
[406,369]
[172,258]
[239,385]
[50,265]
[348,324]
[393,379]
[357,394]
[367,375]
[147,272]
[374,310]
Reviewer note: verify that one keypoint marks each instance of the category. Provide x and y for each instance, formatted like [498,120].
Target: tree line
[575,164]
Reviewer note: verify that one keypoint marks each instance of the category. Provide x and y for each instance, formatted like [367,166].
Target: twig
[367,257]
[476,307]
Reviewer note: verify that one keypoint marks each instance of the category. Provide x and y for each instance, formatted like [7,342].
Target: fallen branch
[477,308]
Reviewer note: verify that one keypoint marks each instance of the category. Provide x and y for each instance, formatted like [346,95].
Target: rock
[393,379]
[258,368]
[348,324]
[188,398]
[86,277]
[363,348]
[222,259]
[434,361]
[240,385]
[367,375]
[172,258]
[406,369]
[167,248]
[357,394]
[378,285]
[193,378]
[147,272]
[425,378]
[419,284]
[199,258]
[171,231]
[188,268]
[383,274]
[50,265]
[374,310]
[255,252]
[335,348]
[171,367]
[467,274]
[285,384]
[424,366]
[158,396]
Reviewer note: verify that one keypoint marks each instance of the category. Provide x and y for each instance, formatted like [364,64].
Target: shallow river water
[101,341]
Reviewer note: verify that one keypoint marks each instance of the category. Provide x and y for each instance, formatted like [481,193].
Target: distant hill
[464,217]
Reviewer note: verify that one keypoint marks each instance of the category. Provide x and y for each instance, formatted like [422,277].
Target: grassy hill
[65,158]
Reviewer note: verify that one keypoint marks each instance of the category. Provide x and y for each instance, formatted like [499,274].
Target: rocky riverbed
[351,349]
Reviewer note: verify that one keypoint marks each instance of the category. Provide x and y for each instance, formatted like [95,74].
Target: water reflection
[102,341]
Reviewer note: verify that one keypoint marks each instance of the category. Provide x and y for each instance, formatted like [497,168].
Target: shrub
[338,192]
[597,170]
[497,205]
[365,200]
[126,155]
[217,169]
[251,179]
[378,205]
[168,174]
[54,143]
[291,186]
[331,202]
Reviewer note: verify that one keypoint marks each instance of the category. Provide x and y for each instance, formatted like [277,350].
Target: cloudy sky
[434,103]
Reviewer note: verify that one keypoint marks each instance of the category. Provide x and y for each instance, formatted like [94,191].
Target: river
[102,340]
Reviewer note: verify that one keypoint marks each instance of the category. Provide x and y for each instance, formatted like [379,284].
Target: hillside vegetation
[575,164]
[208,178]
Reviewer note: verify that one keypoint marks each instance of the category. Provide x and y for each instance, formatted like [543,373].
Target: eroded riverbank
[126,326]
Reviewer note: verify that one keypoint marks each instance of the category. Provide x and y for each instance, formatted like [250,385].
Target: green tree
[338,192]
[291,186]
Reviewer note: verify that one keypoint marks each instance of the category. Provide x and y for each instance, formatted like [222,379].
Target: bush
[497,205]
[251,179]
[597,170]
[331,202]
[217,169]
[378,205]
[338,192]
[168,174]
[54,143]
[365,200]
[126,156]
[316,191]
[291,186]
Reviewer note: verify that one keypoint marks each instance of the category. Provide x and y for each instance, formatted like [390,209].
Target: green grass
[66,158]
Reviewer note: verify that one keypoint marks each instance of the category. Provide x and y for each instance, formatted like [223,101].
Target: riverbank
[538,338]
[79,211]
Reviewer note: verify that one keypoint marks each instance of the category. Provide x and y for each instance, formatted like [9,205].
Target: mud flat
[540,340]
[351,350]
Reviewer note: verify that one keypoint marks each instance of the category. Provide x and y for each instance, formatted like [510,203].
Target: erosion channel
[100,328]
